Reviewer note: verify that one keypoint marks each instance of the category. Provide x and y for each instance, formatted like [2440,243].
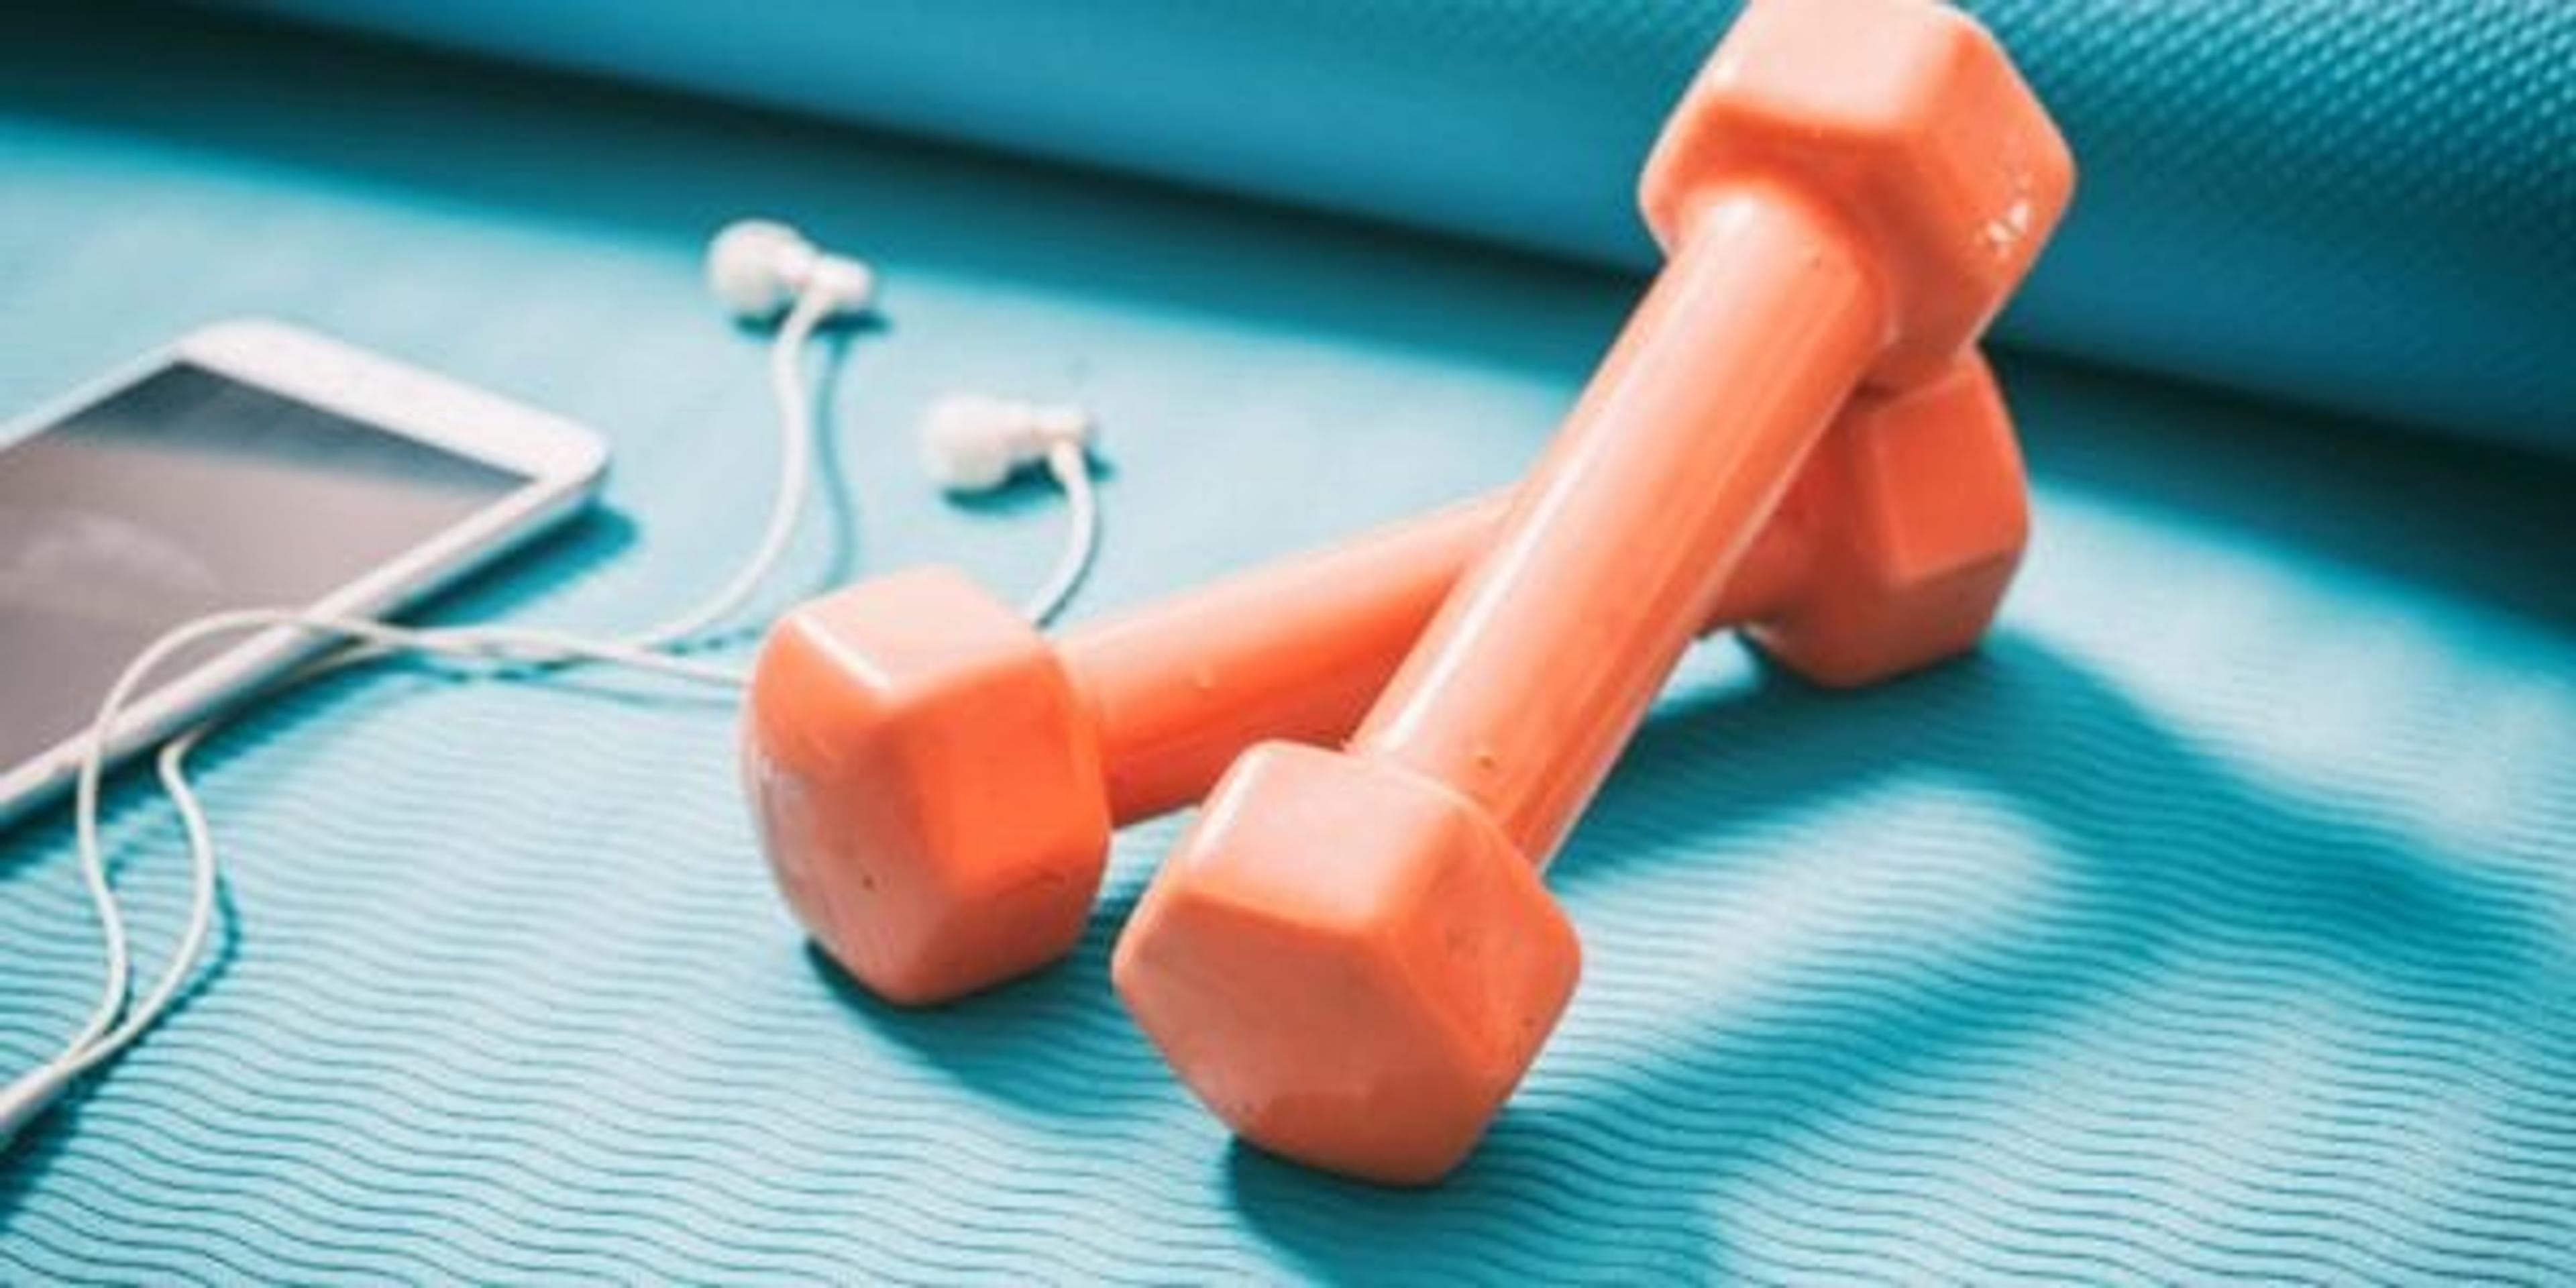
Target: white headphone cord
[1072,472]
[795,465]
[100,1037]
[103,1036]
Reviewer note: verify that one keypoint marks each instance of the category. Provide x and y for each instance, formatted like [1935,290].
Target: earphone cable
[101,1035]
[795,465]
[1066,461]
[112,1027]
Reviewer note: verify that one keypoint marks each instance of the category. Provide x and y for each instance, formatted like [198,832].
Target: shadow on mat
[2163,858]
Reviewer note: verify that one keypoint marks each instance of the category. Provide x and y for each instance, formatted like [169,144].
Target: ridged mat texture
[2217,920]
[2366,206]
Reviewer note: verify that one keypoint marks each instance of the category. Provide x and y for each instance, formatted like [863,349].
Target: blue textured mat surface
[2217,920]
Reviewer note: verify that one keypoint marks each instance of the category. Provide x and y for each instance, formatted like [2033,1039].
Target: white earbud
[975,442]
[758,267]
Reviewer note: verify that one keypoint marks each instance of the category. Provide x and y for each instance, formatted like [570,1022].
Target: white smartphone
[249,465]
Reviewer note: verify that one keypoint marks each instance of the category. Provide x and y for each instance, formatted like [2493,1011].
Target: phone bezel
[563,461]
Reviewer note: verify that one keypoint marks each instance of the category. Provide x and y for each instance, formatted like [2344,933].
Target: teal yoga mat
[2216,921]
[2368,207]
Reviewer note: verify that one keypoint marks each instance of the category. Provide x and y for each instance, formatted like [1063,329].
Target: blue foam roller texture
[2368,208]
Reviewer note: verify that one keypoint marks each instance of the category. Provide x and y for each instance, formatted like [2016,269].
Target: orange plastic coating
[1545,658]
[1295,649]
[887,719]
[1351,958]
[1298,650]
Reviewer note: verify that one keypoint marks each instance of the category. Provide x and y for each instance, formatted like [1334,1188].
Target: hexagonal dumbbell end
[926,783]
[1348,963]
[1908,117]
[1913,515]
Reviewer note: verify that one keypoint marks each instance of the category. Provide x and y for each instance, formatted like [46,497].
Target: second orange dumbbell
[934,782]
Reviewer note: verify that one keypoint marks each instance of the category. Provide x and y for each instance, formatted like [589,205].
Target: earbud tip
[850,285]
[968,443]
[977,469]
[747,266]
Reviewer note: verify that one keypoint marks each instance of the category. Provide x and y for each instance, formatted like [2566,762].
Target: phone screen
[184,493]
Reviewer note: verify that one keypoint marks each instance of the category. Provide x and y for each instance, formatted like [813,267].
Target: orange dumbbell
[1351,958]
[935,783]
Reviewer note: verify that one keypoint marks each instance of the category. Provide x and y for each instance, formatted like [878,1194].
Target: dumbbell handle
[1540,665]
[1299,649]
